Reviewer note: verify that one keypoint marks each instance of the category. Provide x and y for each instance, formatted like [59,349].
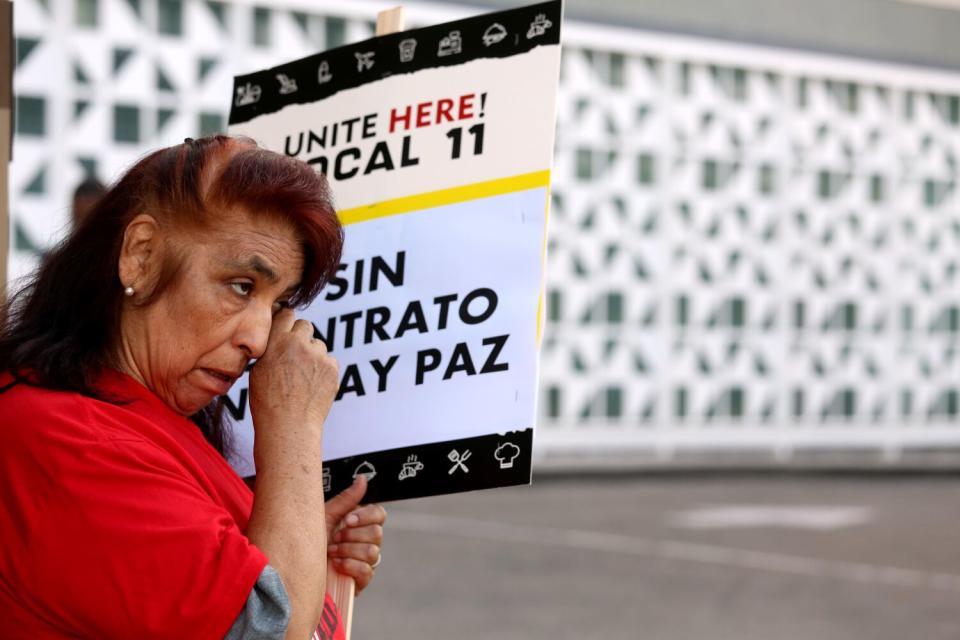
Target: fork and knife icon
[459,459]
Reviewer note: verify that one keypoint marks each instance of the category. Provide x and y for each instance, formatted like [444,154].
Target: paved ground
[674,558]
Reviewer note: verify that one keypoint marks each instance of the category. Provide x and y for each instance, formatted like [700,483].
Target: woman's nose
[254,331]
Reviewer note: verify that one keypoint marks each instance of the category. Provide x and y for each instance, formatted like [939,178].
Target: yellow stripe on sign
[443,197]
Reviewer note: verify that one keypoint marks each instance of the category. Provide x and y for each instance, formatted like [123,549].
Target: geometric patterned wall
[102,81]
[748,247]
[752,250]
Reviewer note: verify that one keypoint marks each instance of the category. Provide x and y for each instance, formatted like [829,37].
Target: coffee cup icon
[407,49]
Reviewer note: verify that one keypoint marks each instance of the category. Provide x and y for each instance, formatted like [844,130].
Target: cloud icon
[506,454]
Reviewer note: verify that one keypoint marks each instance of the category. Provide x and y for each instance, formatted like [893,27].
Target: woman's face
[196,339]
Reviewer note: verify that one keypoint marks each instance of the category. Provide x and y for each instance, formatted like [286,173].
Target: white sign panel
[437,145]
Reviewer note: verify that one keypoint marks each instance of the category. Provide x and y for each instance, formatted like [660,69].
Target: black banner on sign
[467,464]
[495,35]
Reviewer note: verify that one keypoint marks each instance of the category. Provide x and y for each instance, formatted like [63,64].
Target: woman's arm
[266,614]
[291,390]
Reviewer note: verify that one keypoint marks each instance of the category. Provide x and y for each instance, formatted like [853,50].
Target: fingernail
[353,519]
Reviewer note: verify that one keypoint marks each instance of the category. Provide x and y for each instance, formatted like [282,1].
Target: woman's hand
[354,534]
[293,384]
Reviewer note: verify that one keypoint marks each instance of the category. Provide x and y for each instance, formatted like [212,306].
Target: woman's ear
[140,257]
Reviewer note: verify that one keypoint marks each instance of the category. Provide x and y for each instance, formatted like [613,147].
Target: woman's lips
[218,381]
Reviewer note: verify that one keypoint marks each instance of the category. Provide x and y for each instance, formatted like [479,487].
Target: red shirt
[118,521]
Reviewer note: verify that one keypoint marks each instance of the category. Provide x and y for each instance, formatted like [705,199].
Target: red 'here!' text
[424,114]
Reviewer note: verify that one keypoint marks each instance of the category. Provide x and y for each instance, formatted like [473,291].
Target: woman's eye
[243,288]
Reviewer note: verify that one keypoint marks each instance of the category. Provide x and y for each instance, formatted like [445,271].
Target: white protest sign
[437,144]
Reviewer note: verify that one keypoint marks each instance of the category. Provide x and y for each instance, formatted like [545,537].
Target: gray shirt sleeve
[267,612]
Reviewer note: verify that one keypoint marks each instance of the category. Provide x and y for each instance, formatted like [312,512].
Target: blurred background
[750,385]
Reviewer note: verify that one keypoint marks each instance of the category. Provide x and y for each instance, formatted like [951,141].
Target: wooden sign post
[390,21]
[342,588]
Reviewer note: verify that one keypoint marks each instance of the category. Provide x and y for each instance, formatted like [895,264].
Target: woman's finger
[367,514]
[361,572]
[371,533]
[339,507]
[282,322]
[362,551]
[302,326]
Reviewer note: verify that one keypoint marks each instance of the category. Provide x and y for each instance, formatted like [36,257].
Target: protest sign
[437,144]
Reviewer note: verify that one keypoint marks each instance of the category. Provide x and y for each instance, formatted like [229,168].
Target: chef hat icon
[506,454]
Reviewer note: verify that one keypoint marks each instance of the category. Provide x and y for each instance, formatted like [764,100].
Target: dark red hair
[59,330]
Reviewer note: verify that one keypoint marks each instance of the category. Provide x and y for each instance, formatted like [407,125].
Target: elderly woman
[121,517]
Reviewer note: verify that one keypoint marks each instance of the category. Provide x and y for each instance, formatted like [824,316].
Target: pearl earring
[128,292]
